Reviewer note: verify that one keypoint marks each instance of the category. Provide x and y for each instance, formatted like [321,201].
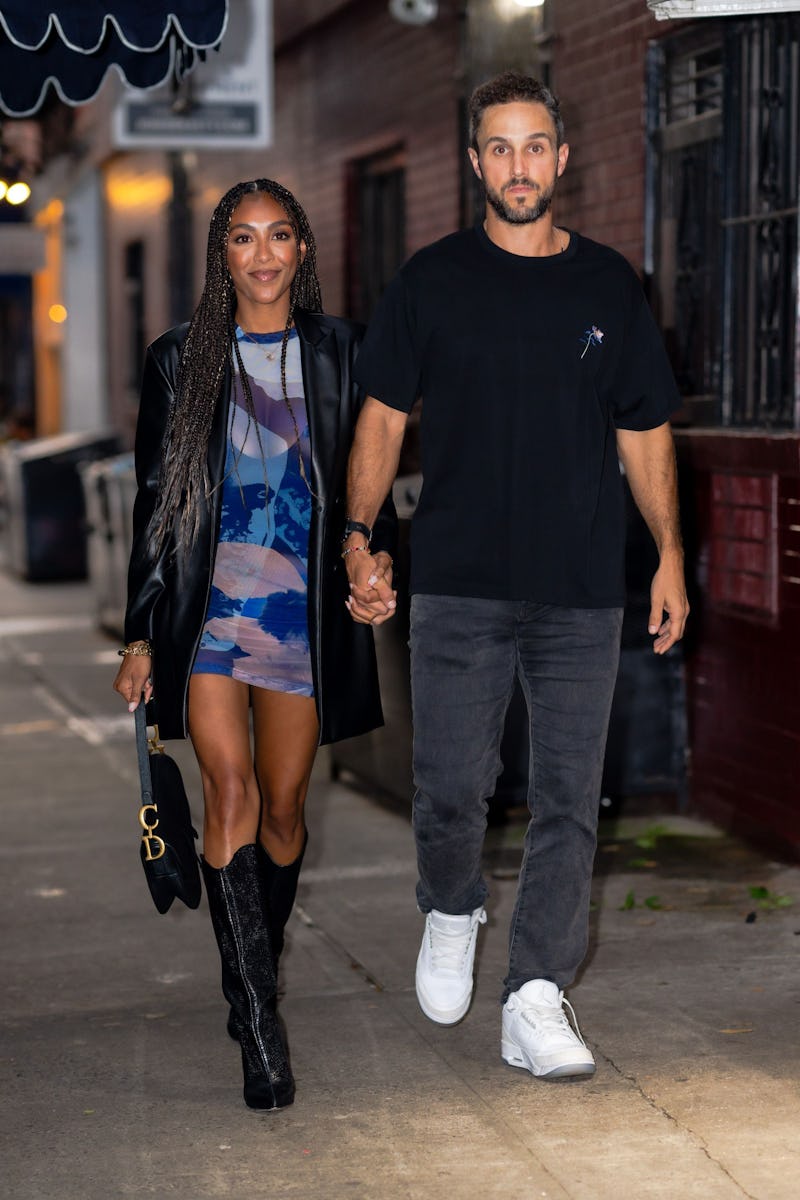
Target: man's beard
[520,214]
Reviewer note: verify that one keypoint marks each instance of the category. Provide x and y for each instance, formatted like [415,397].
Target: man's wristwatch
[356,527]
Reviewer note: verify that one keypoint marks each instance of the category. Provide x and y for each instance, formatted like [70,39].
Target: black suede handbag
[168,852]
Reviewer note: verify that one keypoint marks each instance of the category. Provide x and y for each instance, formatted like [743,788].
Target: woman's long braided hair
[210,346]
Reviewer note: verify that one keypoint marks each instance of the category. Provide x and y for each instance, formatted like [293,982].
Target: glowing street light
[17,193]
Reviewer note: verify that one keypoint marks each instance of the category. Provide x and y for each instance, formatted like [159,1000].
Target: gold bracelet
[350,550]
[142,648]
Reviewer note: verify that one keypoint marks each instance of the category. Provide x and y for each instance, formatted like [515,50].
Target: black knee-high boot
[279,888]
[238,914]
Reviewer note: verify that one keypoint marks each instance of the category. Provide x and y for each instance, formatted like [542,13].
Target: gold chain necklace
[271,358]
[270,355]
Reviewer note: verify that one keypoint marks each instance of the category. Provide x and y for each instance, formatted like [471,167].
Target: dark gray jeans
[465,654]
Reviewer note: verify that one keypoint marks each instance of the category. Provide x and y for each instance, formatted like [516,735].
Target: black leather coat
[168,593]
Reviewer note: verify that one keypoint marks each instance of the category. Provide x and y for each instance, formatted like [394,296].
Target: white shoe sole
[517,1056]
[442,1016]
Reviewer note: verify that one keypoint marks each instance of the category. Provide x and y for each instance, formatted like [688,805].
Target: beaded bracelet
[350,550]
[142,648]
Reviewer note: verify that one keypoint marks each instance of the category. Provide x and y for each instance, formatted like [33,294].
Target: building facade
[683,141]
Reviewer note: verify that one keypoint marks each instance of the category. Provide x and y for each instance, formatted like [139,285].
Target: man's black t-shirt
[526,366]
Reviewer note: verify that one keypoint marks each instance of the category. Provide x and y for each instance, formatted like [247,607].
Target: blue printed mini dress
[256,625]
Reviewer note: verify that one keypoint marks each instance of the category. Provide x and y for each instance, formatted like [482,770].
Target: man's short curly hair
[506,89]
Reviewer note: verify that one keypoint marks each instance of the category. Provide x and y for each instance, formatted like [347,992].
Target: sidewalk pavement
[120,1081]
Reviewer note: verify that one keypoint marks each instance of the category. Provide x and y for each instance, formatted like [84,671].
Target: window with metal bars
[723,168]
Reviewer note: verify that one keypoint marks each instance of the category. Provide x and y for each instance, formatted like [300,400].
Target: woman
[237,590]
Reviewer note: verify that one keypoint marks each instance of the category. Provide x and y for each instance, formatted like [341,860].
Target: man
[539,365]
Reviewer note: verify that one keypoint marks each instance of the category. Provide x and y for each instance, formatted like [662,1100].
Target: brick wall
[599,76]
[741,507]
[742,524]
[354,84]
[349,81]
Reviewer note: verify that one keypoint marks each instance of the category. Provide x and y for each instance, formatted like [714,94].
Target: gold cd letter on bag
[151,839]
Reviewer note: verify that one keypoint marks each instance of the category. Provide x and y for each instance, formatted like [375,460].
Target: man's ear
[473,158]
[563,155]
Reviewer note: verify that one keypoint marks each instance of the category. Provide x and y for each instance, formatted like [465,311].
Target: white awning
[664,9]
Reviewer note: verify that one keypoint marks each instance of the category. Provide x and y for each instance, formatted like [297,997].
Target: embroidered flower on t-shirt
[591,337]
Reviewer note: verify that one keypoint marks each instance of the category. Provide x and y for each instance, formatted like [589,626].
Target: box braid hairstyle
[211,345]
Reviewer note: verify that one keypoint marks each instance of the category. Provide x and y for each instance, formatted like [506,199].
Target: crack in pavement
[659,1108]
[334,944]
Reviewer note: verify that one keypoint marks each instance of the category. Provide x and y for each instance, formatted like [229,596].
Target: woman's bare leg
[286,734]
[219,726]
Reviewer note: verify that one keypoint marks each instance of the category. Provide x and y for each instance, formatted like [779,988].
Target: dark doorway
[376,228]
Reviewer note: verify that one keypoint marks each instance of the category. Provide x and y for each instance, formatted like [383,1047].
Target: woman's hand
[134,679]
[372,599]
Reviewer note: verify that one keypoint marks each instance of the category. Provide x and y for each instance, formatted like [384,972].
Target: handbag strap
[153,846]
[143,754]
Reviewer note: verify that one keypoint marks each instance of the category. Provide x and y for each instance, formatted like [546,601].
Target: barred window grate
[723,172]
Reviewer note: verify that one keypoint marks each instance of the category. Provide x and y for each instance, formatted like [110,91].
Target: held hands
[372,600]
[133,678]
[668,596]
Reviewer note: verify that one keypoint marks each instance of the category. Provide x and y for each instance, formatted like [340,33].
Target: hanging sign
[225,104]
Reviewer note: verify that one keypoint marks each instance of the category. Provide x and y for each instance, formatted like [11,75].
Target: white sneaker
[537,1035]
[444,965]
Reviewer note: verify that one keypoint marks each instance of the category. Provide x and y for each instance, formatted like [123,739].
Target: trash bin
[109,487]
[45,519]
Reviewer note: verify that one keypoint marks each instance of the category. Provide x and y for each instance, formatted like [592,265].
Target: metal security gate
[762,105]
[723,167]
